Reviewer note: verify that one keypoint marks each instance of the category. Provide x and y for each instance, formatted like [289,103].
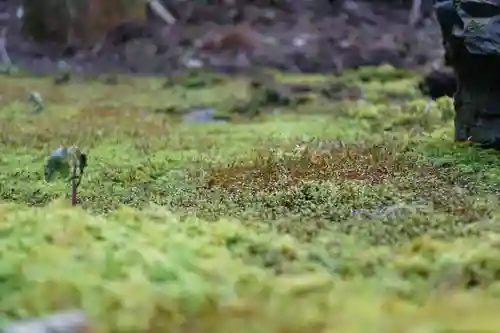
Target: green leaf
[57,164]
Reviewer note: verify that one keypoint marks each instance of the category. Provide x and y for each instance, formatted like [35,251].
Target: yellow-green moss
[330,216]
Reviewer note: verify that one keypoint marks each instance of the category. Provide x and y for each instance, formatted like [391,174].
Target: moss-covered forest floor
[313,204]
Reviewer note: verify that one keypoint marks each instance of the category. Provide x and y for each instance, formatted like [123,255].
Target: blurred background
[164,36]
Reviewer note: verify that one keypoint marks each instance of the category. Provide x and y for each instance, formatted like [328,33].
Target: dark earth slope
[295,35]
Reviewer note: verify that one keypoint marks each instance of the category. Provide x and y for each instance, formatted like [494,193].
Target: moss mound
[344,213]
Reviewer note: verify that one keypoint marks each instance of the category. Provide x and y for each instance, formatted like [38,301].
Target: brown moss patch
[270,170]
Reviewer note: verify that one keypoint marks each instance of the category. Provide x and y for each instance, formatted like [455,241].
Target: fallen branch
[4,56]
[161,11]
[415,12]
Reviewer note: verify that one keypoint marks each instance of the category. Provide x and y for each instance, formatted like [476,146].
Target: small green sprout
[37,100]
[69,164]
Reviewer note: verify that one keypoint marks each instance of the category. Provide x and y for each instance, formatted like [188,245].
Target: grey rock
[65,322]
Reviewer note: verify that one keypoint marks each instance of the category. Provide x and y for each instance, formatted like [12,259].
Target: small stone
[64,322]
[202,115]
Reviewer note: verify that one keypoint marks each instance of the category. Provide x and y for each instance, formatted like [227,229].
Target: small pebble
[203,115]
[64,322]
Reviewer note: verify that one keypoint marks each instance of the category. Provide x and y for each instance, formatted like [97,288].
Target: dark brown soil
[299,35]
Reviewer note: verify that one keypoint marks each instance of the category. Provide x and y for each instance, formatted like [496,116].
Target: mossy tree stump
[79,23]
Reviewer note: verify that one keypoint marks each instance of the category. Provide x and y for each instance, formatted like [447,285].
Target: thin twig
[74,187]
[415,12]
[78,162]
[428,106]
[4,56]
[161,11]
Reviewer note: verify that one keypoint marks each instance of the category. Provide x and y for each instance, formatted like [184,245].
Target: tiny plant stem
[73,187]
[66,161]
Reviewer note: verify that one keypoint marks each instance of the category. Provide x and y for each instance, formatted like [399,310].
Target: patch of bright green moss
[334,215]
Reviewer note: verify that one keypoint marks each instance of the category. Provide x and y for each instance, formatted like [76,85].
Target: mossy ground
[328,216]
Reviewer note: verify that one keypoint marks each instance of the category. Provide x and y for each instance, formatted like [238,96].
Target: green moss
[362,213]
